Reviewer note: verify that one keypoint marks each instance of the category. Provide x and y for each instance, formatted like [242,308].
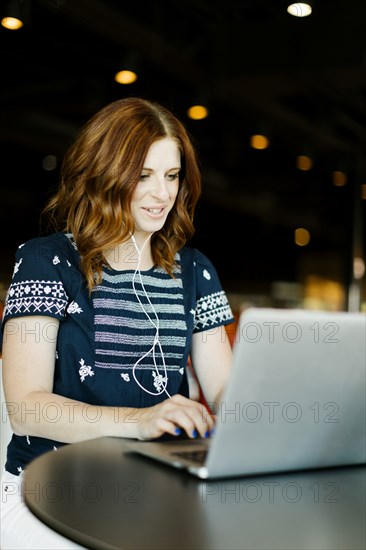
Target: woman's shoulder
[55,244]
[194,256]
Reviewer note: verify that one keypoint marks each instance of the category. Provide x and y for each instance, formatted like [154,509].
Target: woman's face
[157,189]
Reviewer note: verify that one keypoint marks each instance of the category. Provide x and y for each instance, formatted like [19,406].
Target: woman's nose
[160,188]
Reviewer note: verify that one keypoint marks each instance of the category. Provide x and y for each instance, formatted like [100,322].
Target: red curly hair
[100,172]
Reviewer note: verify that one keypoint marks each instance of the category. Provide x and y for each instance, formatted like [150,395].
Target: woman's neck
[126,255]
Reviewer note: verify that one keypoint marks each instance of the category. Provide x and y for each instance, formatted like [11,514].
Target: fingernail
[194,433]
[178,431]
[207,434]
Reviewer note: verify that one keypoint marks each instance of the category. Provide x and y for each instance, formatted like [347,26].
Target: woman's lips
[154,212]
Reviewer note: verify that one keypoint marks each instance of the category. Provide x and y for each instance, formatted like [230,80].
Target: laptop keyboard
[198,456]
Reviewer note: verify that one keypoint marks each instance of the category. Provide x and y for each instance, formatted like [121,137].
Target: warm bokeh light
[358,268]
[363,191]
[339,178]
[259,141]
[12,23]
[197,112]
[322,293]
[303,162]
[125,77]
[302,236]
[299,9]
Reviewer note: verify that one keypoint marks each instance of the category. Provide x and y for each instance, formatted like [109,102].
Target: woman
[103,314]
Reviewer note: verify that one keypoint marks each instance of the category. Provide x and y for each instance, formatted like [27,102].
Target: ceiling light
[299,9]
[129,68]
[125,77]
[259,141]
[15,14]
[197,112]
[12,23]
[302,236]
[304,162]
[339,178]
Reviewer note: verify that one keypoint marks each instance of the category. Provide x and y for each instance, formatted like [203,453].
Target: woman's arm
[211,357]
[29,348]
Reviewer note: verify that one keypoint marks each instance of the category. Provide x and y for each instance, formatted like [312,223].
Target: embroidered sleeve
[212,306]
[37,286]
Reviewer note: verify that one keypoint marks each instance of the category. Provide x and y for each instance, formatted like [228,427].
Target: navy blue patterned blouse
[127,343]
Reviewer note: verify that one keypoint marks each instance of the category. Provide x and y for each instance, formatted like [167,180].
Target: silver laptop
[295,399]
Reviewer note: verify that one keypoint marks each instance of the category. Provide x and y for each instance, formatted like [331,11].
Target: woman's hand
[174,415]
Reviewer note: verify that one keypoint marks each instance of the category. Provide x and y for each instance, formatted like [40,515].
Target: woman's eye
[173,177]
[144,177]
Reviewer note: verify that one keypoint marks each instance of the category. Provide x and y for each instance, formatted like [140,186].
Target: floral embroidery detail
[181,370]
[20,469]
[28,440]
[74,308]
[85,370]
[159,380]
[206,275]
[125,376]
[56,260]
[192,311]
[16,267]
[68,263]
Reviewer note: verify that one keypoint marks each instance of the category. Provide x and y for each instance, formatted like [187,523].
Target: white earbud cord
[155,325]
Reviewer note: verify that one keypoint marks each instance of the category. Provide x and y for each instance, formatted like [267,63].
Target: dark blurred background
[284,225]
